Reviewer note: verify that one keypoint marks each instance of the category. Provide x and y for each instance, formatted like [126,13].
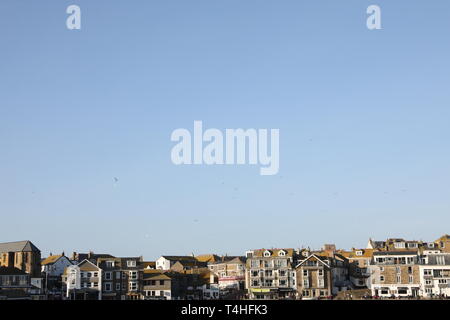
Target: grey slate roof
[18,246]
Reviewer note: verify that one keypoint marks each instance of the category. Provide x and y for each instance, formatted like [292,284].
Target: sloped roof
[6,271]
[18,246]
[180,258]
[366,253]
[51,259]
[149,264]
[86,265]
[445,237]
[230,260]
[208,258]
[273,252]
[155,275]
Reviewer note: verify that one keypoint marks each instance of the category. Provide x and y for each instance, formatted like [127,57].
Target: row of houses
[386,269]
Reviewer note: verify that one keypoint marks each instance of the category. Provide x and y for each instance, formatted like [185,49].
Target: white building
[83,281]
[435,274]
[54,265]
[166,262]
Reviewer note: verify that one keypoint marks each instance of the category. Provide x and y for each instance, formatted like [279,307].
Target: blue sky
[363,118]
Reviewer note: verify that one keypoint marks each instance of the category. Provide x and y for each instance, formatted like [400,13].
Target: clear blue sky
[363,117]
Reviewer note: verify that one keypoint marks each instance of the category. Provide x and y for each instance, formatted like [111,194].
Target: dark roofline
[395,253]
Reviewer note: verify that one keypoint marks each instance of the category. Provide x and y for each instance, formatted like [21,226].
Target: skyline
[86,117]
[68,253]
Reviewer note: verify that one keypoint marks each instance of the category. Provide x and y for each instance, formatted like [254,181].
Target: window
[107,286]
[305,273]
[321,283]
[440,260]
[428,282]
[306,283]
[320,272]
[267,254]
[117,286]
[411,279]
[402,291]
[118,275]
[108,276]
[399,245]
[399,279]
[442,281]
[255,283]
[427,272]
[133,286]
[109,264]
[95,274]
[133,275]
[161,293]
[381,278]
[255,273]
[89,274]
[255,263]
[282,253]
[161,282]
[131,263]
[359,253]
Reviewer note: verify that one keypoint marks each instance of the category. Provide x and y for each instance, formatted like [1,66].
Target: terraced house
[435,274]
[395,273]
[122,277]
[270,273]
[321,276]
[230,272]
[52,269]
[82,281]
[157,285]
[358,266]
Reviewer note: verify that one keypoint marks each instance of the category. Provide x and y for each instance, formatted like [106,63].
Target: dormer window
[359,253]
[131,263]
[399,245]
[267,253]
[282,253]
